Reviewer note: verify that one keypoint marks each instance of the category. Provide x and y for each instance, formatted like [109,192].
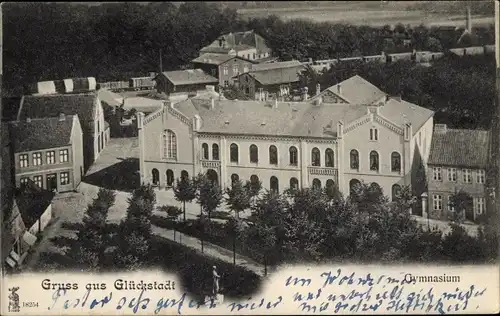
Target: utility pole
[161,62]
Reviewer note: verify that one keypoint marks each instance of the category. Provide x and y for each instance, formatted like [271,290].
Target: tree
[92,238]
[172,212]
[234,228]
[463,203]
[238,198]
[209,196]
[253,188]
[185,191]
[135,231]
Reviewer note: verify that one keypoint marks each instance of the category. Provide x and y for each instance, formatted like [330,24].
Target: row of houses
[347,134]
[49,141]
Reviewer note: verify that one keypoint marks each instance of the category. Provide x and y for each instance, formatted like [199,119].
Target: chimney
[318,89]
[62,117]
[468,22]
[339,89]
[140,120]
[340,129]
[196,123]
[440,128]
[276,103]
[28,119]
[318,101]
[212,103]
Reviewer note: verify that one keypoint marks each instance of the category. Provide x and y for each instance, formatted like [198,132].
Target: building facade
[187,82]
[49,152]
[223,67]
[284,144]
[90,113]
[458,162]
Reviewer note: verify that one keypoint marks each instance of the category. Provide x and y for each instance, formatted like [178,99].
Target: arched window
[274,184]
[169,145]
[254,179]
[354,184]
[396,191]
[293,156]
[395,162]
[375,188]
[315,157]
[212,175]
[254,154]
[184,174]
[329,158]
[204,148]
[354,159]
[294,183]
[156,176]
[170,178]
[374,163]
[234,178]
[273,155]
[316,185]
[215,152]
[234,152]
[330,188]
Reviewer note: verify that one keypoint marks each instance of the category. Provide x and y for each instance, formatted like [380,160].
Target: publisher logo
[14,300]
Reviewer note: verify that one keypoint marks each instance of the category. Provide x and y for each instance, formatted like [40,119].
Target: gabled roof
[357,90]
[276,76]
[239,41]
[44,133]
[216,59]
[400,112]
[460,148]
[32,202]
[189,76]
[83,104]
[111,98]
[302,119]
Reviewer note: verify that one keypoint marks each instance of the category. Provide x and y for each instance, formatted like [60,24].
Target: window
[225,70]
[65,177]
[274,184]
[273,155]
[38,181]
[294,183]
[450,205]
[395,162]
[215,152]
[374,163]
[452,174]
[234,152]
[63,155]
[315,157]
[437,202]
[248,56]
[23,160]
[154,173]
[373,134]
[24,180]
[293,156]
[329,158]
[354,159]
[226,83]
[234,178]
[467,176]
[254,180]
[245,69]
[51,157]
[396,191]
[184,174]
[235,69]
[169,145]
[214,72]
[204,148]
[170,177]
[254,154]
[436,171]
[354,185]
[480,205]
[316,185]
[37,159]
[253,55]
[480,176]
[330,188]
[420,139]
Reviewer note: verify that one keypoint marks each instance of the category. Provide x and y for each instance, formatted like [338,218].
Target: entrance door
[52,182]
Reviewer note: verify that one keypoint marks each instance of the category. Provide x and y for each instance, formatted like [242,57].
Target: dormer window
[373,134]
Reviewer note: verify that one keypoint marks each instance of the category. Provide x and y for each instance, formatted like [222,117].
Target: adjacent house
[285,144]
[49,152]
[90,112]
[248,45]
[273,78]
[35,206]
[185,82]
[223,67]
[458,161]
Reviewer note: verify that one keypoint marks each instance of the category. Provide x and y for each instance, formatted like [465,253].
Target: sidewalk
[210,249]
